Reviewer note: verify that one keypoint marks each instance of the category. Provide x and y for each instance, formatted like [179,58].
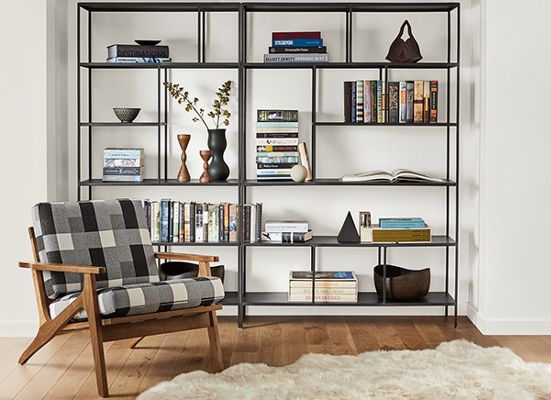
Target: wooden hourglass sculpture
[205,155]
[183,173]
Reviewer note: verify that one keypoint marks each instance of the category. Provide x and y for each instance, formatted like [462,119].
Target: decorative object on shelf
[365,224]
[218,169]
[404,51]
[348,232]
[183,173]
[402,283]
[299,173]
[173,270]
[125,114]
[147,42]
[123,165]
[304,160]
[205,176]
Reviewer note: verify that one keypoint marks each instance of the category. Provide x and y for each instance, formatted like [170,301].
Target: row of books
[294,47]
[393,230]
[123,165]
[132,53]
[327,287]
[286,232]
[377,101]
[176,222]
[276,144]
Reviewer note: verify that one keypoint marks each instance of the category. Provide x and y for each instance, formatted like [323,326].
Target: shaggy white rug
[457,370]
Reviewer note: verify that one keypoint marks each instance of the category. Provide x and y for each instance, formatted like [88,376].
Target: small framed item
[365,225]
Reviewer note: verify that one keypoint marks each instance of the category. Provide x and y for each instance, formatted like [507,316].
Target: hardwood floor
[64,368]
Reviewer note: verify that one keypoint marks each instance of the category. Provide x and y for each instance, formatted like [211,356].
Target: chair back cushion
[106,233]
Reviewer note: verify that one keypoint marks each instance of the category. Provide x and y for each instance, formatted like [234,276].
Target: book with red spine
[296,35]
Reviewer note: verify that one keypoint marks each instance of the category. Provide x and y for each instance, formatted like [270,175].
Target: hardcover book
[296,58]
[409,101]
[277,115]
[287,237]
[297,42]
[138,60]
[322,276]
[393,102]
[133,50]
[426,102]
[367,102]
[359,101]
[310,49]
[403,102]
[433,102]
[347,101]
[418,102]
[297,35]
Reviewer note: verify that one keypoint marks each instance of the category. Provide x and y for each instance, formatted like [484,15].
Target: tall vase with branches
[220,117]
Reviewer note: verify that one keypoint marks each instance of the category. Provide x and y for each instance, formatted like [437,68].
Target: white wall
[514,270]
[340,151]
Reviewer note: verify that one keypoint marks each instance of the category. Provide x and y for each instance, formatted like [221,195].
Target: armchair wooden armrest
[52,267]
[204,261]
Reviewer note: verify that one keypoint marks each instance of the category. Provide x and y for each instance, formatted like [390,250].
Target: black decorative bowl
[171,270]
[402,283]
[126,115]
[144,42]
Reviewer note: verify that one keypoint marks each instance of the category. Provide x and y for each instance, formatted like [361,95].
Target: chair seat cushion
[144,298]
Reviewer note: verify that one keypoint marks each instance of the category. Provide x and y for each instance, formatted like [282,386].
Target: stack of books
[286,232]
[276,144]
[133,53]
[176,222]
[407,102]
[398,230]
[330,287]
[296,47]
[123,165]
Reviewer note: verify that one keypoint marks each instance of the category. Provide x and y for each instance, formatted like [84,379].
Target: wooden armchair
[68,296]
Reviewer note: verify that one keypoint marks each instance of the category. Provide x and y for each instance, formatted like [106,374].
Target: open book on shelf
[399,175]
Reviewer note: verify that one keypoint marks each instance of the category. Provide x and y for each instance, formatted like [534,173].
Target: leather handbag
[404,51]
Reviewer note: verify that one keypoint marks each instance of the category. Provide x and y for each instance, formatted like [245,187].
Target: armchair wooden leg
[96,334]
[50,328]
[214,339]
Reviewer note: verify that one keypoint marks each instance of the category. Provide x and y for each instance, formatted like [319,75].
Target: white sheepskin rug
[457,370]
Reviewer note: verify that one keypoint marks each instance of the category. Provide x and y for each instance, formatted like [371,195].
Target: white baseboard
[498,326]
[18,328]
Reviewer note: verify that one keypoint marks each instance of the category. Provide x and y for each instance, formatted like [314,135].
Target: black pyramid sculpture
[348,233]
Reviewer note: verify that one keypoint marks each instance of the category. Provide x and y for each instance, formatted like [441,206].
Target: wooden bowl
[402,283]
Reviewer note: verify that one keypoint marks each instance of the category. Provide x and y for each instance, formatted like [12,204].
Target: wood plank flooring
[64,368]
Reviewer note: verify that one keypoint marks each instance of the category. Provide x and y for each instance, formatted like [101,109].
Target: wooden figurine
[205,155]
[183,173]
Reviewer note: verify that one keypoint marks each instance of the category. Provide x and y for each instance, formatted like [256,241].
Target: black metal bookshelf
[242,297]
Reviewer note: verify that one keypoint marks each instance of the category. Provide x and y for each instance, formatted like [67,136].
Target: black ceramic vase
[218,169]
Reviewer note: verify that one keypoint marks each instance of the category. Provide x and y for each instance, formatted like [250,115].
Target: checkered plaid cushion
[106,233]
[144,298]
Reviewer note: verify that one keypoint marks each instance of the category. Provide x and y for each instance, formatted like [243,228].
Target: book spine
[258,228]
[123,162]
[267,149]
[418,102]
[233,223]
[284,237]
[277,142]
[296,35]
[205,222]
[393,102]
[119,154]
[226,222]
[275,165]
[401,235]
[266,158]
[277,124]
[359,101]
[384,100]
[192,211]
[277,135]
[311,49]
[403,102]
[221,237]
[277,115]
[175,221]
[122,178]
[156,221]
[433,102]
[165,218]
[252,228]
[147,213]
[247,224]
[297,57]
[274,227]
[324,298]
[347,102]
[138,60]
[426,102]
[409,102]
[187,222]
[322,283]
[123,170]
[367,102]
[353,103]
[181,223]
[125,50]
[323,291]
[297,42]
[199,223]
[380,115]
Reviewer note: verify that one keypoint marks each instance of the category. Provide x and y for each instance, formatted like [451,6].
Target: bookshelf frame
[243,298]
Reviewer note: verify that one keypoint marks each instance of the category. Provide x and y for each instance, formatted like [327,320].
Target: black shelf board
[364,299]
[350,65]
[158,7]
[230,299]
[338,182]
[158,182]
[166,65]
[121,124]
[331,241]
[338,123]
[343,7]
[205,244]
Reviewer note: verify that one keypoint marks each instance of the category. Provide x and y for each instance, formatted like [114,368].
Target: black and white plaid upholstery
[143,298]
[106,233]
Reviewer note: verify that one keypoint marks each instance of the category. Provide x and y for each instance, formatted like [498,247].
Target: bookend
[348,232]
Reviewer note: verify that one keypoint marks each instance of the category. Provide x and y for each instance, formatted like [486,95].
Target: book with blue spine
[402,223]
[165,219]
[353,102]
[121,153]
[297,42]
